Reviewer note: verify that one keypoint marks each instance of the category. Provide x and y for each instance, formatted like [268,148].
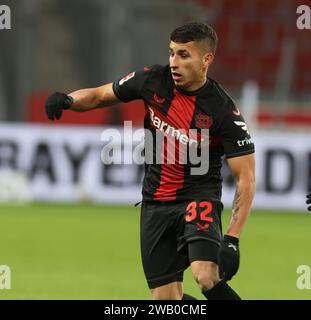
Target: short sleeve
[234,131]
[130,87]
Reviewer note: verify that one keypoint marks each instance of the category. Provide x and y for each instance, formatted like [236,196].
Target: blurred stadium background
[69,229]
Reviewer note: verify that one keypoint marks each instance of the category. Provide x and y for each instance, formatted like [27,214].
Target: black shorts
[174,234]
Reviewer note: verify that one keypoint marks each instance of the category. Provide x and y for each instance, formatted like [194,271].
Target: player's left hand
[308,201]
[229,257]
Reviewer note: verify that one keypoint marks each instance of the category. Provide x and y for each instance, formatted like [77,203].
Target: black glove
[308,201]
[56,103]
[228,257]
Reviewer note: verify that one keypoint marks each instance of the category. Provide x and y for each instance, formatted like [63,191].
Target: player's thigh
[202,220]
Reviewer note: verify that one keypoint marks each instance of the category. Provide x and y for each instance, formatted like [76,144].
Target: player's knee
[206,281]
[205,274]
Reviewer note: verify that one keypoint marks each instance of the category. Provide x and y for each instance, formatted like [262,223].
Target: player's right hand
[308,201]
[56,103]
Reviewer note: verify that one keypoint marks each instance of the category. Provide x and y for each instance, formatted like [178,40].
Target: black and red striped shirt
[172,112]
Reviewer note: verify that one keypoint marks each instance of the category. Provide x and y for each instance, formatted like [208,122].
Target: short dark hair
[195,31]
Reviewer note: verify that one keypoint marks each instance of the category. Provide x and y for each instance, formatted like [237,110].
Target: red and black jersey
[174,112]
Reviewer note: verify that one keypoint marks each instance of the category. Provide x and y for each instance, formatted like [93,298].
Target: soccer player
[181,212]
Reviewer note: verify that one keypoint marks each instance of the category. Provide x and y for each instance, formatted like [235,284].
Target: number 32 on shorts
[199,213]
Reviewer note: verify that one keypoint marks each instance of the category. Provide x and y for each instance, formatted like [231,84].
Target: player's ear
[208,58]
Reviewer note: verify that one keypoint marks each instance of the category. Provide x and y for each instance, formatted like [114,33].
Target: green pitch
[92,252]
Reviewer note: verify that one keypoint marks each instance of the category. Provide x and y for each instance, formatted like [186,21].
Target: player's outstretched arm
[243,169]
[81,100]
[88,99]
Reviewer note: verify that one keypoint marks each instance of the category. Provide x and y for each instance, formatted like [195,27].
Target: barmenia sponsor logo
[179,134]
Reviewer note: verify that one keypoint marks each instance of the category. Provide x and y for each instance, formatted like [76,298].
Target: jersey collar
[195,92]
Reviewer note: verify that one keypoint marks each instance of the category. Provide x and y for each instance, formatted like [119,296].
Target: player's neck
[196,85]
